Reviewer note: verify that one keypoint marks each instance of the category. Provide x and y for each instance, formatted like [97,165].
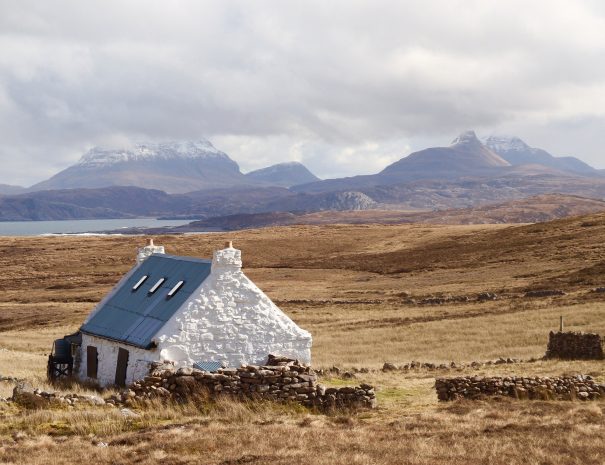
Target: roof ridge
[182,258]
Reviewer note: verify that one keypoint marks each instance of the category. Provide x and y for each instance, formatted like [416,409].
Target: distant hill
[31,209]
[536,209]
[108,202]
[517,152]
[7,189]
[128,201]
[283,175]
[173,167]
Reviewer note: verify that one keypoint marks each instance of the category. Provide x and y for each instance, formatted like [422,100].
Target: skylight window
[176,288]
[157,285]
[139,282]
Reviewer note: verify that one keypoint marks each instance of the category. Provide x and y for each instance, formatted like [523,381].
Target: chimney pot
[229,245]
[150,242]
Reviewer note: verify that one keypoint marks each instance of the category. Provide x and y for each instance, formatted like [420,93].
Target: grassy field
[360,290]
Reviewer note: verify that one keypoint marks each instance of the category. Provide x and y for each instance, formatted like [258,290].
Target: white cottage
[184,310]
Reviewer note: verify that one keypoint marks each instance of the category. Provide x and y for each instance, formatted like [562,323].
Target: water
[37,228]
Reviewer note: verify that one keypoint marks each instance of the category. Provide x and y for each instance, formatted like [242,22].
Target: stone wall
[286,381]
[545,388]
[570,345]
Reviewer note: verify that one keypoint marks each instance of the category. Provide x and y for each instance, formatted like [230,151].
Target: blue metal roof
[135,317]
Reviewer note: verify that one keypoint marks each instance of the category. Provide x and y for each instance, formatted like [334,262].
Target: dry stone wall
[544,388]
[287,381]
[572,346]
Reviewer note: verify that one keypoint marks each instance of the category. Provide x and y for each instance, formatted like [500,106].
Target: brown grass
[352,291]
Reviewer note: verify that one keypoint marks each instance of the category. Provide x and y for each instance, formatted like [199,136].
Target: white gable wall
[229,319]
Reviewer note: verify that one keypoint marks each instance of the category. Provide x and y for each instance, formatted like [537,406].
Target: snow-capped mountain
[283,174]
[203,149]
[517,152]
[173,167]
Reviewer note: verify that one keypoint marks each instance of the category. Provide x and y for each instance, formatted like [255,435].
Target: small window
[139,282]
[157,285]
[176,288]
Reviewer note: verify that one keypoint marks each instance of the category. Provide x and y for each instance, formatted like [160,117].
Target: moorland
[369,294]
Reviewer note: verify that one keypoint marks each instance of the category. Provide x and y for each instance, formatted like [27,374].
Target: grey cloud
[339,85]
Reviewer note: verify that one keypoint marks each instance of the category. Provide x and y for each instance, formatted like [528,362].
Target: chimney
[144,252]
[228,259]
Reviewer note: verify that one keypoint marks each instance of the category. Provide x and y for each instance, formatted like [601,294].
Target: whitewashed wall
[229,319]
[107,352]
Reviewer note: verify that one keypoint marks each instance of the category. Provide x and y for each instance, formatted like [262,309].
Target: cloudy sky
[344,86]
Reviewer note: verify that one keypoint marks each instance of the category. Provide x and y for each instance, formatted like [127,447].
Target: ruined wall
[574,346]
[545,388]
[284,382]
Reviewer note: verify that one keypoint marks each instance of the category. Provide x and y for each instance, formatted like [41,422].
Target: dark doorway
[122,367]
[92,362]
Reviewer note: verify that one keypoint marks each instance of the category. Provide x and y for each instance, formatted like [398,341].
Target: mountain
[466,156]
[171,166]
[283,175]
[203,182]
[517,152]
[7,189]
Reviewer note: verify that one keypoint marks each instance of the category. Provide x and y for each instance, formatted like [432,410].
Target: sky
[346,87]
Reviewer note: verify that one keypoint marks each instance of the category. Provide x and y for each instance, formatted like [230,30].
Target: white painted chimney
[149,249]
[227,259]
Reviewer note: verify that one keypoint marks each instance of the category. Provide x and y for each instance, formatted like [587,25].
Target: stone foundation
[545,388]
[574,346]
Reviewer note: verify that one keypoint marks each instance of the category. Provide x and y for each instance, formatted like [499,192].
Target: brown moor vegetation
[362,291]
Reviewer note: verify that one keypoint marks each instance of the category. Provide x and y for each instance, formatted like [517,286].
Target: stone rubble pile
[574,346]
[284,381]
[388,366]
[542,388]
[26,395]
[451,299]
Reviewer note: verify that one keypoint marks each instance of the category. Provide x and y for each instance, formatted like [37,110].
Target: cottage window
[92,362]
[176,288]
[139,282]
[157,285]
